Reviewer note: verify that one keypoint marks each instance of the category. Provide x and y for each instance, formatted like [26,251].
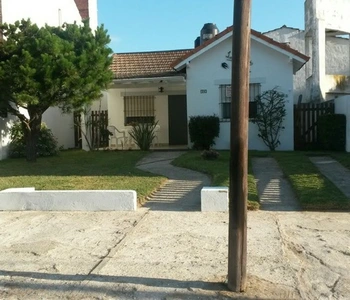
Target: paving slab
[274,190]
[334,171]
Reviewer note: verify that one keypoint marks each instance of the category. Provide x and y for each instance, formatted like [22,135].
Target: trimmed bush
[203,130]
[331,132]
[47,143]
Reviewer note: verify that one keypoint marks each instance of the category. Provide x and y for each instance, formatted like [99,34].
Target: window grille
[138,109]
[225,100]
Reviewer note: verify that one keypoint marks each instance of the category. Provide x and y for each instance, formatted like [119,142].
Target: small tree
[50,66]
[270,117]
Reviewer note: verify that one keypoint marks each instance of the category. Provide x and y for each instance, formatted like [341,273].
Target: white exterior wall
[336,60]
[53,12]
[61,125]
[342,106]
[116,106]
[270,68]
[334,13]
[93,14]
[322,18]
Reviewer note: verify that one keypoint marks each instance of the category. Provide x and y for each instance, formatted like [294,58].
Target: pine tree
[64,66]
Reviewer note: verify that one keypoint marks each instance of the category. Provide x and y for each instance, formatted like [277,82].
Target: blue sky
[150,25]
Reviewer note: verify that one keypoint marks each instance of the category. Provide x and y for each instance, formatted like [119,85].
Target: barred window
[138,109]
[225,100]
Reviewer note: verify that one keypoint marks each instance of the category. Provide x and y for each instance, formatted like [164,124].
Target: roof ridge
[252,32]
[155,51]
[283,26]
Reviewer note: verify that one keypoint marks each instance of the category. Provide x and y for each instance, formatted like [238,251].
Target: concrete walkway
[182,191]
[334,171]
[275,192]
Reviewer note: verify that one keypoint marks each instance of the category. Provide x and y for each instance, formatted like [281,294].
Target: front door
[177,111]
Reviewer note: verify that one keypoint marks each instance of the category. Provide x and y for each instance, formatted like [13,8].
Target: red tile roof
[83,7]
[253,32]
[145,64]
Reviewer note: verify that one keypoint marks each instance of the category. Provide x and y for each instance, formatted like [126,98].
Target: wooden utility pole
[237,247]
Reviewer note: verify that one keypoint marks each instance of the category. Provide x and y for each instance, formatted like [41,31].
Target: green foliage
[203,130]
[143,134]
[331,132]
[47,144]
[64,66]
[270,117]
[210,154]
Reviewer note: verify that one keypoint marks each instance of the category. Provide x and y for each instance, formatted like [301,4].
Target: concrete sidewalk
[164,254]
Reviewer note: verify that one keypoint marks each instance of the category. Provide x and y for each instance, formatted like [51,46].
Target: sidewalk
[171,254]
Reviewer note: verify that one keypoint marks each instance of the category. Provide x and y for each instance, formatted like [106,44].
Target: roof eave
[148,80]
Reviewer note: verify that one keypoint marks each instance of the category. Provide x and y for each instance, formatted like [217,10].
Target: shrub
[143,134]
[47,144]
[270,117]
[210,154]
[203,130]
[331,132]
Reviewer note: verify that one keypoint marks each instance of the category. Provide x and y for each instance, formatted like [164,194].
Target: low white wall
[214,199]
[74,200]
[342,106]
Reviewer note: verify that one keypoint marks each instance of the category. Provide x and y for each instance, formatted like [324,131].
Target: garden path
[275,192]
[182,191]
[334,171]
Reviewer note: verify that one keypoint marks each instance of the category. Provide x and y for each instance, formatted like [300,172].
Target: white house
[171,86]
[326,40]
[55,13]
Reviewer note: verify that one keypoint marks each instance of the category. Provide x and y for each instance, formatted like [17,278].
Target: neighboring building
[171,86]
[326,40]
[55,13]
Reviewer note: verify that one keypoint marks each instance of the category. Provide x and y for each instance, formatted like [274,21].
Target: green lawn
[313,190]
[342,157]
[74,170]
[219,171]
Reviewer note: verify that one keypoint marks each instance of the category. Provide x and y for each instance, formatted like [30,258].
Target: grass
[74,170]
[218,170]
[342,157]
[313,190]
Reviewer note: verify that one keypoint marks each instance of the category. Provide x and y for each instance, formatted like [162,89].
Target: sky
[153,25]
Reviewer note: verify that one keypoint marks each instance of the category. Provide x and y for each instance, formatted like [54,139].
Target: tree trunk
[32,137]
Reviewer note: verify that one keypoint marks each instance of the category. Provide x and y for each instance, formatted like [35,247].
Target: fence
[97,129]
[99,132]
[305,123]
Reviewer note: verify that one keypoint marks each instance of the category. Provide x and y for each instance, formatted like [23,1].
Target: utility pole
[238,191]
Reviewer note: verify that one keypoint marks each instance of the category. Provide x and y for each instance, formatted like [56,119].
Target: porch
[160,100]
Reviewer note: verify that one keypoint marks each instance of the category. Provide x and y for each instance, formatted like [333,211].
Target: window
[138,109]
[225,100]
